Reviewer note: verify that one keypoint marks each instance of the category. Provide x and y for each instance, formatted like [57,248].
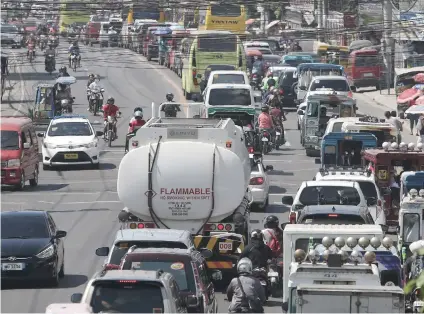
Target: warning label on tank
[179,208]
[185,194]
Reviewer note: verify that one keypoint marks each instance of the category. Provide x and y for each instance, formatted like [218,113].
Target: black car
[286,84]
[32,247]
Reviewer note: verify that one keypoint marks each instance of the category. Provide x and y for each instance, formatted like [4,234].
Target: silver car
[259,181]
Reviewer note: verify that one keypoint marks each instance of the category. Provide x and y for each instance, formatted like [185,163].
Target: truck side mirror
[353,89]
[76,298]
[371,201]
[269,168]
[283,225]
[285,307]
[384,228]
[302,87]
[102,251]
[287,200]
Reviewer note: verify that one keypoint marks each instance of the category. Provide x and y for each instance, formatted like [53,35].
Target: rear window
[333,219]
[329,195]
[337,85]
[367,61]
[121,248]
[217,44]
[182,271]
[127,297]
[105,27]
[228,79]
[217,67]
[116,25]
[286,79]
[226,10]
[230,97]
[368,189]
[253,165]
[337,127]
[9,140]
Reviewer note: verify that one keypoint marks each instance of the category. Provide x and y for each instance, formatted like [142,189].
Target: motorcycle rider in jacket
[257,251]
[110,109]
[50,51]
[251,286]
[170,110]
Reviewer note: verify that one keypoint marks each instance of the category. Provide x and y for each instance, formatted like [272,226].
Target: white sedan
[70,140]
[259,181]
[300,114]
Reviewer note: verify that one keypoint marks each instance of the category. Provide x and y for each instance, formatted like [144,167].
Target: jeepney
[404,79]
[319,110]
[411,211]
[383,131]
[387,163]
[331,53]
[305,72]
[344,149]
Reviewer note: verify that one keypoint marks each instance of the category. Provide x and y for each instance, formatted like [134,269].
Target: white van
[103,34]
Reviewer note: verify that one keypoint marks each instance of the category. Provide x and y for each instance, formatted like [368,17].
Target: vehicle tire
[54,281]
[21,185]
[62,269]
[149,58]
[377,87]
[34,181]
[298,126]
[309,152]
[109,139]
[188,95]
[265,148]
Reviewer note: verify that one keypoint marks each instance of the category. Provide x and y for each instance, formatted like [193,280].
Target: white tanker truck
[189,174]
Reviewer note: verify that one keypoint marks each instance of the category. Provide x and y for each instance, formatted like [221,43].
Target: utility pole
[388,42]
[320,6]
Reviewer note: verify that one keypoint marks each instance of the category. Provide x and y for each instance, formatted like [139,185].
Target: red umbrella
[408,95]
[420,101]
[419,78]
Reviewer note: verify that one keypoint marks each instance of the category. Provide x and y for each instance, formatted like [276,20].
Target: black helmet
[169,97]
[63,69]
[260,57]
[257,235]
[138,109]
[111,100]
[265,109]
[91,76]
[271,222]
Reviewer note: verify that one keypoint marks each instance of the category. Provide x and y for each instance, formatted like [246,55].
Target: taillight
[257,181]
[219,227]
[292,218]
[147,38]
[250,150]
[379,203]
[350,94]
[281,92]
[333,215]
[111,267]
[135,143]
[142,225]
[266,134]
[254,75]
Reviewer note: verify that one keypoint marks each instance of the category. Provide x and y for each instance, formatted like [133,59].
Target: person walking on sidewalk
[413,121]
[420,129]
[395,122]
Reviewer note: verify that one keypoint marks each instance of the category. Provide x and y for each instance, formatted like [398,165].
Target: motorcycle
[96,100]
[262,275]
[279,137]
[31,52]
[74,61]
[110,135]
[265,140]
[43,42]
[255,81]
[49,64]
[275,277]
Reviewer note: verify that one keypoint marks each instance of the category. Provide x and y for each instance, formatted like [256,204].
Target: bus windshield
[216,43]
[226,10]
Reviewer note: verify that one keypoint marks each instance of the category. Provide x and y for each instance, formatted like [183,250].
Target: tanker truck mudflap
[225,248]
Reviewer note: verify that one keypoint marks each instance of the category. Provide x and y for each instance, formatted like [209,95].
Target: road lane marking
[53,193]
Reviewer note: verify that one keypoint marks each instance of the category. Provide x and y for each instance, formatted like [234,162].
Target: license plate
[368,74]
[71,156]
[12,266]
[225,246]
[278,133]
[264,139]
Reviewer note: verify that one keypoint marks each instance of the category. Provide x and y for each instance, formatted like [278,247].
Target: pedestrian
[420,129]
[395,122]
[413,121]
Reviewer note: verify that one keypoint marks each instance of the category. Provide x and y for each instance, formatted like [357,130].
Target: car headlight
[49,145]
[89,145]
[13,163]
[47,252]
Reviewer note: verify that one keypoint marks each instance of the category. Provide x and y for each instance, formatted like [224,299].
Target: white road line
[53,193]
[77,203]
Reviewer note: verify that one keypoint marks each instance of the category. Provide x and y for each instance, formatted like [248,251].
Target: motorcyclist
[74,49]
[110,110]
[259,67]
[257,251]
[265,120]
[170,110]
[63,93]
[170,97]
[277,115]
[91,79]
[136,122]
[272,233]
[244,288]
[50,51]
[31,41]
[63,72]
[296,47]
[135,110]
[268,81]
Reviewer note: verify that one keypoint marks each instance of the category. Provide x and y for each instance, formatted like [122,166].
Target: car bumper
[63,156]
[34,269]
[259,195]
[10,176]
[365,82]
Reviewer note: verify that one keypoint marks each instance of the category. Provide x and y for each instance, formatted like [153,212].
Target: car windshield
[329,195]
[23,227]
[121,248]
[8,29]
[182,272]
[229,97]
[9,140]
[70,129]
[368,189]
[228,79]
[337,127]
[127,297]
[336,85]
[333,219]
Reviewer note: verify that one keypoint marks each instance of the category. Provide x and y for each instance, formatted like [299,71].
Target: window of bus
[216,43]
[226,10]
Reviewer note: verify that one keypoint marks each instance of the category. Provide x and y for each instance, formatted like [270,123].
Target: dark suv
[188,268]
[286,84]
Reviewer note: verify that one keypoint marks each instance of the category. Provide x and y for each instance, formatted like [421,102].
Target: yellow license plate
[71,156]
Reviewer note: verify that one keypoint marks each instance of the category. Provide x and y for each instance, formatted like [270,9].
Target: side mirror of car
[384,228]
[27,145]
[99,133]
[285,306]
[353,89]
[199,76]
[102,251]
[283,225]
[269,168]
[76,297]
[317,161]
[371,201]
[302,87]
[60,234]
[287,200]
[319,133]
[300,112]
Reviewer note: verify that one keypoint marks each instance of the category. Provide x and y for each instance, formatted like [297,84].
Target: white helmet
[244,266]
[138,114]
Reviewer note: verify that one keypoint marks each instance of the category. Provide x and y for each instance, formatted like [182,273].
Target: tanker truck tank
[198,173]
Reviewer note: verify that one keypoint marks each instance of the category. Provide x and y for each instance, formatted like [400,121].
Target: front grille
[60,157]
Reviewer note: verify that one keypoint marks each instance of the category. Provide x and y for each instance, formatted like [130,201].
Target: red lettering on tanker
[185,191]
[185,194]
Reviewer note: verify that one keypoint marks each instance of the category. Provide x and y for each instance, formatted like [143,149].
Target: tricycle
[45,105]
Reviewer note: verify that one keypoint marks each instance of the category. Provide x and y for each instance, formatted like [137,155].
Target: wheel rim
[22,181]
[36,175]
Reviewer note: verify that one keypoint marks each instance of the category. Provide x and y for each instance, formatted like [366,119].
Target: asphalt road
[84,202]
